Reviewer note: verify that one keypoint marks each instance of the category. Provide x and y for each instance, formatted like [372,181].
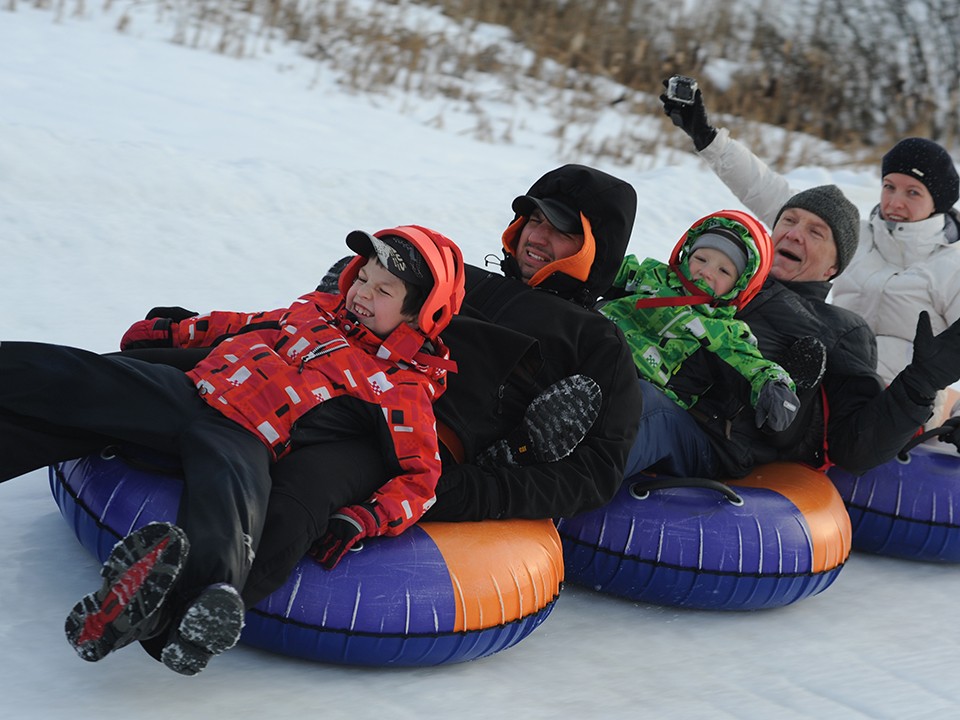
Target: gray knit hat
[727,242]
[930,164]
[829,204]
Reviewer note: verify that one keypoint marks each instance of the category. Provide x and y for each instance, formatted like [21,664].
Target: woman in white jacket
[908,259]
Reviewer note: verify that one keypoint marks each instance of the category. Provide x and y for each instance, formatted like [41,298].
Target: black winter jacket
[566,339]
[867,424]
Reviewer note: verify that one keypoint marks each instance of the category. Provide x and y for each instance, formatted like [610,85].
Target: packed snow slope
[134,173]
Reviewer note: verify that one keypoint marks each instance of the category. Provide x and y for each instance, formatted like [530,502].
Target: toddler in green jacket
[678,317]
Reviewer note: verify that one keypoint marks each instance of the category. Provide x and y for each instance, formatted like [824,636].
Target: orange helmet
[759,249]
[445,263]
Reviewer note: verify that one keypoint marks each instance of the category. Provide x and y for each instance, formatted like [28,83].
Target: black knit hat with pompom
[930,164]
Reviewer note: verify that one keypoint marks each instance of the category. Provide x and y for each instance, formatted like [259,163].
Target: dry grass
[825,77]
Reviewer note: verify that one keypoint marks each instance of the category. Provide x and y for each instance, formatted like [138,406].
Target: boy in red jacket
[367,361]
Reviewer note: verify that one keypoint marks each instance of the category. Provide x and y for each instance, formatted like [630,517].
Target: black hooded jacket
[867,425]
[563,337]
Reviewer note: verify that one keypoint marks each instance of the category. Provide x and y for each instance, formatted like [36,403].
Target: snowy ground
[135,173]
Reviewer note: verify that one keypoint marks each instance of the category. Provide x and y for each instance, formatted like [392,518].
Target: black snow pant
[58,403]
[309,485]
[337,458]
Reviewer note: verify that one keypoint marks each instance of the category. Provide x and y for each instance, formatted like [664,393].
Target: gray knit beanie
[727,242]
[930,164]
[829,204]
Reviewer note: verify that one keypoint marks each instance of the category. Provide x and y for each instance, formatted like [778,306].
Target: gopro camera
[682,89]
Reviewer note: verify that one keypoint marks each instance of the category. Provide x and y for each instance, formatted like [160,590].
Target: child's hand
[156,332]
[346,528]
[777,406]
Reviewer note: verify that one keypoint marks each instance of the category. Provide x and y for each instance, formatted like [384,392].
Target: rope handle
[640,489]
[949,427]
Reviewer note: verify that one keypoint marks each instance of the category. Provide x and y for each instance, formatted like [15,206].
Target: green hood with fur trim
[663,336]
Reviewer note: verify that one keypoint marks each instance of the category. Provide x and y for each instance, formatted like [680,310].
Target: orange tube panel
[501,570]
[817,499]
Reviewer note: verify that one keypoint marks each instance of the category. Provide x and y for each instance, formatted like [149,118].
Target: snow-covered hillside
[134,173]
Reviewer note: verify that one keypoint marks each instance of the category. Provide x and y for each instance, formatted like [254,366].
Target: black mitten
[174,313]
[691,118]
[553,425]
[935,363]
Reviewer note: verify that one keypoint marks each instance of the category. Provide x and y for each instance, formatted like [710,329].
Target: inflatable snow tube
[908,507]
[439,593]
[777,536]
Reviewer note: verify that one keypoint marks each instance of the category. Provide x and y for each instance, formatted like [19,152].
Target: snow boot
[137,579]
[330,282]
[806,361]
[210,625]
[553,425]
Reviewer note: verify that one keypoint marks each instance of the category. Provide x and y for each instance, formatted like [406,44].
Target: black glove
[174,313]
[553,425]
[330,282]
[777,406]
[806,361]
[935,363]
[692,119]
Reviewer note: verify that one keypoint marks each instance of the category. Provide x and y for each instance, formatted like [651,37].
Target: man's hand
[347,527]
[777,406]
[692,119]
[951,436]
[935,363]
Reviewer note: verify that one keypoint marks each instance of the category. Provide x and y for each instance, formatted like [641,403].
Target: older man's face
[803,248]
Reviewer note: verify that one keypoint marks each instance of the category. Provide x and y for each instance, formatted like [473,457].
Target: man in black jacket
[849,418]
[563,247]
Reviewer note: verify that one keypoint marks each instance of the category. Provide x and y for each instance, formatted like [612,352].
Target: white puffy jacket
[898,270]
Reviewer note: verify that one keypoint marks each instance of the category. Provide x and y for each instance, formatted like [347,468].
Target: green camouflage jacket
[663,338]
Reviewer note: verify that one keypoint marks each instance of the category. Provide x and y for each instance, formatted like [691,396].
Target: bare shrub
[849,74]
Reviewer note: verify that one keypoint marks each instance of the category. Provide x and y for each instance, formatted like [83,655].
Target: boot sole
[137,577]
[211,625]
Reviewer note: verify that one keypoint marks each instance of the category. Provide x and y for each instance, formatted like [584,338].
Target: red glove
[156,332]
[346,528]
[174,312]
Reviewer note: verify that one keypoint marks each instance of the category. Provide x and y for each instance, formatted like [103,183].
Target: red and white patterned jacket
[273,367]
